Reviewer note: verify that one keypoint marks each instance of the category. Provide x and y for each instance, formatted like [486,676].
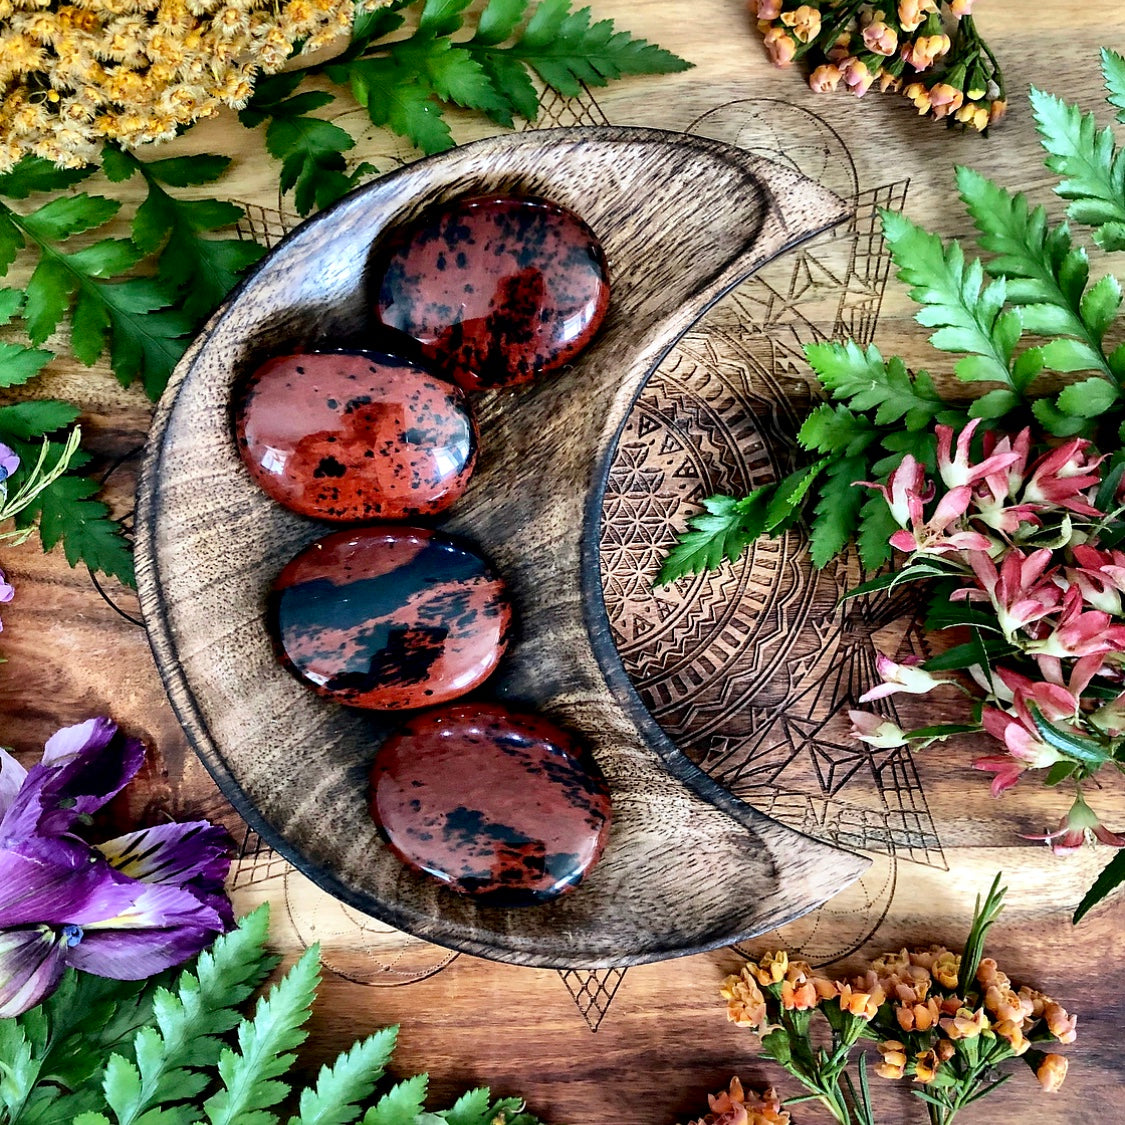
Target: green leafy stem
[406,83]
[177,1049]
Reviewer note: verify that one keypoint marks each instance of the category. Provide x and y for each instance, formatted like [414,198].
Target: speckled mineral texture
[389,617]
[355,436]
[496,290]
[500,805]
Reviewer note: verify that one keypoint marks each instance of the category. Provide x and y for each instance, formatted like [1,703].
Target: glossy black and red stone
[389,617]
[355,436]
[500,805]
[496,290]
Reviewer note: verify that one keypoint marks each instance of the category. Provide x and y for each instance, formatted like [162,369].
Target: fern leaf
[1088,158]
[1046,274]
[720,533]
[876,527]
[401,1104]
[865,381]
[968,315]
[341,1087]
[471,1108]
[265,1045]
[836,516]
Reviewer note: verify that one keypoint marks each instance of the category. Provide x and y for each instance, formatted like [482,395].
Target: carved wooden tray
[688,867]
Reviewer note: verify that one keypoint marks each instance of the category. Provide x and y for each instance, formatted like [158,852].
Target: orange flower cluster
[914,1005]
[928,50]
[735,1106]
[75,74]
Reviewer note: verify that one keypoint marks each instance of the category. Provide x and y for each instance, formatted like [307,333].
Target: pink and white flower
[1080,826]
[956,469]
[876,730]
[1078,632]
[1100,576]
[1015,728]
[906,491]
[994,497]
[1020,591]
[908,677]
[1061,477]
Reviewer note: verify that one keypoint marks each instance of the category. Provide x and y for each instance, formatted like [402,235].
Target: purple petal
[7,590]
[197,852]
[34,891]
[9,461]
[164,926]
[83,767]
[157,907]
[66,744]
[135,954]
[32,960]
[12,776]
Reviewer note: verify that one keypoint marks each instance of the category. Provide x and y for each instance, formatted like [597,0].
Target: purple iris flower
[7,592]
[9,462]
[127,908]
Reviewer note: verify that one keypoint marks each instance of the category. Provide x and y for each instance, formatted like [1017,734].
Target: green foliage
[1035,281]
[863,380]
[406,83]
[64,507]
[400,1105]
[1047,279]
[158,1052]
[1112,876]
[1088,158]
[837,513]
[311,150]
[142,321]
[18,364]
[199,269]
[88,286]
[341,1088]
[968,314]
[720,533]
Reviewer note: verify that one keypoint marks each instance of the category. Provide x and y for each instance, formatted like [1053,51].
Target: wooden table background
[646,1044]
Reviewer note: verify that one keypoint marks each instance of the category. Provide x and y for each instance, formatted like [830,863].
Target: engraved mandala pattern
[751,670]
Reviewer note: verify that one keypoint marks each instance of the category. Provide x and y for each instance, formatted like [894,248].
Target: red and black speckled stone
[355,436]
[389,617]
[500,805]
[496,290]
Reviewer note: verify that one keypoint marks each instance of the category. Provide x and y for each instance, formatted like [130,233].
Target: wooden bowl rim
[183,699]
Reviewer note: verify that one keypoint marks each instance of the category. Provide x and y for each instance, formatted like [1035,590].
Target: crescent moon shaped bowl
[687,866]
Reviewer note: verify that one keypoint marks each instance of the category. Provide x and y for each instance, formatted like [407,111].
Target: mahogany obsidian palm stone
[503,806]
[355,436]
[389,617]
[495,289]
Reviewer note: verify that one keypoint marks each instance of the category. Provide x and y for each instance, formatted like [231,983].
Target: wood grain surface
[717,411]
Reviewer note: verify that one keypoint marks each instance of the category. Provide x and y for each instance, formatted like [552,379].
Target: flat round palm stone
[496,290]
[389,617]
[355,436]
[500,805]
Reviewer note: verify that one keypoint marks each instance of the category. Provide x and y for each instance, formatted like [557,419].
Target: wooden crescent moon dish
[687,866]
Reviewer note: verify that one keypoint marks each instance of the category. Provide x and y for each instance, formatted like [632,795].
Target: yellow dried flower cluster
[73,75]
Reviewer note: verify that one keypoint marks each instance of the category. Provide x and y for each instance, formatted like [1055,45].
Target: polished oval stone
[500,805]
[496,290]
[389,617]
[355,436]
